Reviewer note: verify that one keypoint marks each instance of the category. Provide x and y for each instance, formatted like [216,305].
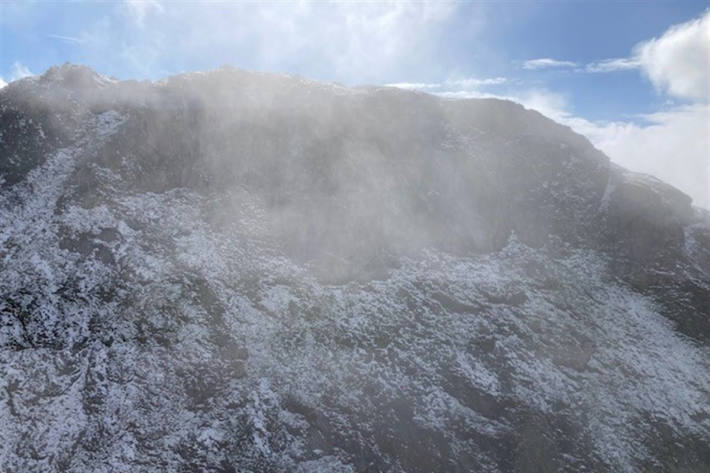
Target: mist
[643,101]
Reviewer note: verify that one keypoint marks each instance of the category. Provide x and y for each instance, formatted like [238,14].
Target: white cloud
[474,82]
[679,61]
[414,85]
[614,64]
[19,71]
[2,83]
[546,62]
[449,84]
[65,39]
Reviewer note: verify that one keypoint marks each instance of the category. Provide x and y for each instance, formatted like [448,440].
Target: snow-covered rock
[238,272]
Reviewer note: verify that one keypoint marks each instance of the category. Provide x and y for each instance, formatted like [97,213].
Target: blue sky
[631,75]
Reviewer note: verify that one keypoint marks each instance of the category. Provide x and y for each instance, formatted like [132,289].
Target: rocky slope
[241,272]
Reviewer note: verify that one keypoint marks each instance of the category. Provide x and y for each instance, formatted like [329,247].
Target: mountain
[246,272]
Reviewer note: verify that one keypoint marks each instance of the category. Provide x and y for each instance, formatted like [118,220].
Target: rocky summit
[246,272]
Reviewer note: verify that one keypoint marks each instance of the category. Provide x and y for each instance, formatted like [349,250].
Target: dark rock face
[233,271]
[23,144]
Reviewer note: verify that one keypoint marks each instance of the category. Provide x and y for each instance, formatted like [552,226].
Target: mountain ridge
[230,271]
